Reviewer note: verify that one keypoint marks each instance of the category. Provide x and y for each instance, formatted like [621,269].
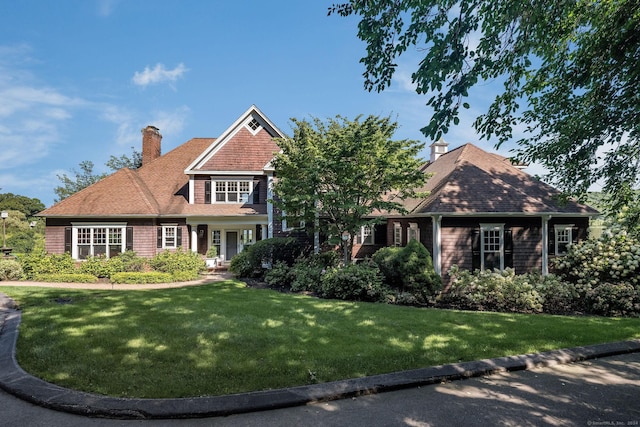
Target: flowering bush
[506,291]
[494,291]
[605,273]
[613,258]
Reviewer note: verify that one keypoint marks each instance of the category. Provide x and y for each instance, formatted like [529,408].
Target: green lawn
[225,338]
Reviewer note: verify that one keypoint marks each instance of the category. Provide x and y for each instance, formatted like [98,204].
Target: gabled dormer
[234,168]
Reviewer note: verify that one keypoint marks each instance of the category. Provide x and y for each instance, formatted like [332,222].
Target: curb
[14,380]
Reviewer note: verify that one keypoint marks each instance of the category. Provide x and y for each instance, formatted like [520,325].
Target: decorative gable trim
[243,122]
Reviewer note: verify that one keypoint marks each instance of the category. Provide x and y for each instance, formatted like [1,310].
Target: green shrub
[280,275]
[308,271]
[605,273]
[99,266]
[131,262]
[416,270]
[39,262]
[409,269]
[494,291]
[142,278]
[613,258]
[388,260]
[559,297]
[355,282]
[242,266]
[177,261]
[614,299]
[66,278]
[10,270]
[255,260]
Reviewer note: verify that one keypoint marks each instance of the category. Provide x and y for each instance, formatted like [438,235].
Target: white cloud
[106,7]
[158,74]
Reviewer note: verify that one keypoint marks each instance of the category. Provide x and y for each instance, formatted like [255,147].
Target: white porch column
[264,232]
[545,244]
[437,243]
[269,205]
[194,238]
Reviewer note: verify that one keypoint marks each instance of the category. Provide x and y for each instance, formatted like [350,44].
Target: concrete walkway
[21,384]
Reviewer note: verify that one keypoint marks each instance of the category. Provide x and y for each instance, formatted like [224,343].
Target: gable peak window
[253,125]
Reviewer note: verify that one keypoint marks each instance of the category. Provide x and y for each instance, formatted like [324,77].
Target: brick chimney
[150,144]
[438,148]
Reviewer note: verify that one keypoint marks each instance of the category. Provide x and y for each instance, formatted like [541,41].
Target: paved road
[599,392]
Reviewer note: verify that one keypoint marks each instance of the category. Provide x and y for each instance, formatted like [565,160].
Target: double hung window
[232,191]
[216,240]
[492,246]
[365,236]
[563,238]
[97,240]
[413,232]
[397,234]
[169,236]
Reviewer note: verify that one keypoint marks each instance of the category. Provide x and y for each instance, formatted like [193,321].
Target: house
[206,192]
[481,212]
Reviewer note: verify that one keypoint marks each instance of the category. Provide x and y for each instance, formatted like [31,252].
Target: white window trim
[557,229]
[214,191]
[362,235]
[491,227]
[250,129]
[285,225]
[165,227]
[397,234]
[413,229]
[74,237]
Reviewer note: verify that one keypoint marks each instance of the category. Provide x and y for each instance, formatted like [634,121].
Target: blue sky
[79,79]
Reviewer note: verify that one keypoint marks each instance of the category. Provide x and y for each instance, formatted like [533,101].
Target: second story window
[232,191]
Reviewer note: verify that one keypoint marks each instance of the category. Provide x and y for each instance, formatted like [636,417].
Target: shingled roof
[159,187]
[469,180]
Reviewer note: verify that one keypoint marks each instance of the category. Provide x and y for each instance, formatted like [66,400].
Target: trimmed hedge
[142,278]
[66,278]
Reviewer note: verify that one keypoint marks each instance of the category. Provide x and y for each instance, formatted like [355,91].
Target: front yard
[223,338]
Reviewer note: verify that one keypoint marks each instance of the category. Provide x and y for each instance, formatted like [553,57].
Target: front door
[202,239]
[232,245]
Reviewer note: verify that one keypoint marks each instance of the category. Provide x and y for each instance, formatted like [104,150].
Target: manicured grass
[225,338]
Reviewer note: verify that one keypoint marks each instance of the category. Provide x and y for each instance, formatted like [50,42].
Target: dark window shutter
[552,240]
[256,193]
[576,234]
[475,250]
[129,241]
[380,234]
[179,237]
[159,239]
[207,191]
[67,240]
[508,248]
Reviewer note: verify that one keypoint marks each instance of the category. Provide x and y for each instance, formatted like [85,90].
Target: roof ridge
[143,189]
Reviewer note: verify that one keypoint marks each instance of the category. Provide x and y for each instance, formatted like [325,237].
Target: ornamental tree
[569,70]
[332,176]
